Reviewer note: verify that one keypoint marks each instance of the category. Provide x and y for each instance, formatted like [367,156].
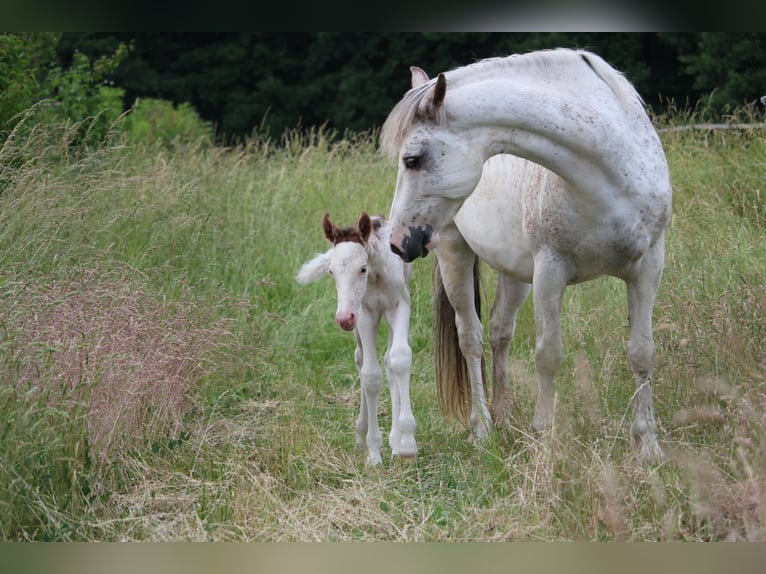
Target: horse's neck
[591,139]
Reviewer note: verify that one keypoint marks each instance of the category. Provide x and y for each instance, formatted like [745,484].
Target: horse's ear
[439,91]
[435,98]
[365,226]
[419,77]
[330,231]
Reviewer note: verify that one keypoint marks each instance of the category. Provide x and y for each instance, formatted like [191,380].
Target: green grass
[165,378]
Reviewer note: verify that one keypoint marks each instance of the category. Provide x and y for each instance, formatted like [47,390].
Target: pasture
[164,377]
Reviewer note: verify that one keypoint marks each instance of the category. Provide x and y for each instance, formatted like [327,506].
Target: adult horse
[601,207]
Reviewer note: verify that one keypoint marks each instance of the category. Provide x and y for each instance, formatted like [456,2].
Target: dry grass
[100,340]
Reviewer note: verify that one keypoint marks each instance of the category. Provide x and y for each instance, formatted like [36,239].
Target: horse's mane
[404,114]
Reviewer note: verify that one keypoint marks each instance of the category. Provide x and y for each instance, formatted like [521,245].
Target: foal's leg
[549,281]
[642,291]
[361,422]
[371,377]
[509,297]
[456,262]
[393,387]
[399,365]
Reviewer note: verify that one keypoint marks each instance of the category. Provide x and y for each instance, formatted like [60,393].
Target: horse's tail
[453,383]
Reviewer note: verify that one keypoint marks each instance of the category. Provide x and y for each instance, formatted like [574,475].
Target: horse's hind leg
[509,297]
[549,281]
[642,291]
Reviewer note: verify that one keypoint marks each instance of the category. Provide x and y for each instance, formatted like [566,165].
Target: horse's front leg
[399,366]
[371,377]
[549,281]
[642,291]
[456,264]
[509,297]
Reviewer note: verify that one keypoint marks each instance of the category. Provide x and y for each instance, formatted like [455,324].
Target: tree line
[270,82]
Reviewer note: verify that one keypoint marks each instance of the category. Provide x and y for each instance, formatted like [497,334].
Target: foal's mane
[353,235]
[405,113]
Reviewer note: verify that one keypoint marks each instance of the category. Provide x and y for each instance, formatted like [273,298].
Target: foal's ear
[330,231]
[419,77]
[365,226]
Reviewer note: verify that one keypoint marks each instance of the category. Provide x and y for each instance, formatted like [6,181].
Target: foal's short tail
[452,381]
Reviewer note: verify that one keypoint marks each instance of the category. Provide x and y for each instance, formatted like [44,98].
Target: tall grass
[165,378]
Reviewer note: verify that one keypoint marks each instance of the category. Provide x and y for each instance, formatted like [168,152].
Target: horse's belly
[490,220]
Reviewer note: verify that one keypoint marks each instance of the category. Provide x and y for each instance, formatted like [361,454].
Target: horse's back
[520,209]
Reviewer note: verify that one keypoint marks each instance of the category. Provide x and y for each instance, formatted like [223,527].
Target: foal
[372,283]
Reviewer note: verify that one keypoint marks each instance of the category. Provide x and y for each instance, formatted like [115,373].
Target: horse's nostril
[398,252]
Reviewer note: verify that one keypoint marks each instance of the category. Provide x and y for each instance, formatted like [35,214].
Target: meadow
[164,378]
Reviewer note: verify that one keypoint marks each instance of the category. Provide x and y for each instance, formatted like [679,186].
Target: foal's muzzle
[413,244]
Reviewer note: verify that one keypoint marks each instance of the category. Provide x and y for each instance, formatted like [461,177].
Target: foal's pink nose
[346,322]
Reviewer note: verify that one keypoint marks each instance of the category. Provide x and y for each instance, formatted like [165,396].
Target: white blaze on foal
[372,283]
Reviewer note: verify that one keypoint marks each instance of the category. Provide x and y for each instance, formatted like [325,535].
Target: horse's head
[438,167]
[348,266]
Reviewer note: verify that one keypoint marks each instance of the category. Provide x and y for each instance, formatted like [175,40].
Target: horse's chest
[382,293]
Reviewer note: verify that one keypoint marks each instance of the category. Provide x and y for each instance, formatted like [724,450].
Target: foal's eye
[411,162]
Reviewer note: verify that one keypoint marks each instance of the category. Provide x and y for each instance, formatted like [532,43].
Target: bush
[32,79]
[24,63]
[153,119]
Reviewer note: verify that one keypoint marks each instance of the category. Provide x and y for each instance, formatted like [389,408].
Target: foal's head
[348,266]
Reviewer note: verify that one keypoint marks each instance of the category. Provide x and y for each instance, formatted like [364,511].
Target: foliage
[82,91]
[32,81]
[151,119]
[728,67]
[24,63]
[273,82]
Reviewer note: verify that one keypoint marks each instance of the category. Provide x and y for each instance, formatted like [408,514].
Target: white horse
[602,207]
[372,283]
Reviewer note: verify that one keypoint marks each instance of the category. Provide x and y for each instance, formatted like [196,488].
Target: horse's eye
[363,270]
[411,162]
[330,271]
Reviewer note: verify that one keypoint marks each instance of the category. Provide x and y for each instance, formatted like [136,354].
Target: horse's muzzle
[413,244]
[346,321]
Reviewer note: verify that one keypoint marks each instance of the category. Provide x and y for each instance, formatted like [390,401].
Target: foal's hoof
[373,459]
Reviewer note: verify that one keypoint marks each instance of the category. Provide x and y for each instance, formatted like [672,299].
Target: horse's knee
[548,356]
[372,380]
[500,337]
[399,359]
[470,343]
[641,353]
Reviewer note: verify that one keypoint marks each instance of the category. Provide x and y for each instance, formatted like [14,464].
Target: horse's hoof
[478,436]
[373,459]
[649,450]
